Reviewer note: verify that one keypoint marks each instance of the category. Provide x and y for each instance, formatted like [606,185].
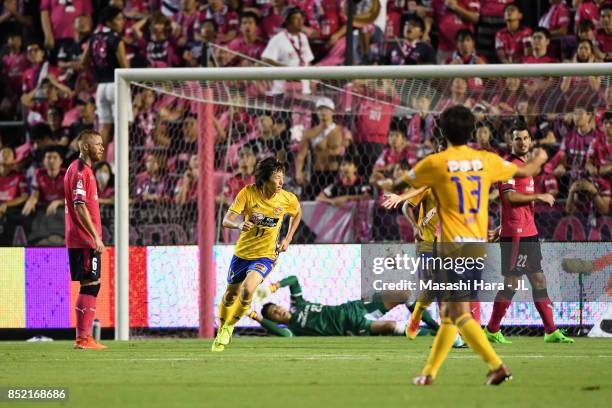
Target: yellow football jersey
[461,178]
[267,217]
[428,218]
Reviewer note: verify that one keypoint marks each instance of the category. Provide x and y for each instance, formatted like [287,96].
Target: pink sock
[85,313]
[545,310]
[499,311]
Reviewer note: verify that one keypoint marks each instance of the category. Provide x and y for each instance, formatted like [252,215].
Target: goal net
[188,140]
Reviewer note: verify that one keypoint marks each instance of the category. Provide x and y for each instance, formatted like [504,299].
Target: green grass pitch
[309,372]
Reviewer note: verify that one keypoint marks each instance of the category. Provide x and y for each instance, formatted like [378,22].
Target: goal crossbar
[123,78]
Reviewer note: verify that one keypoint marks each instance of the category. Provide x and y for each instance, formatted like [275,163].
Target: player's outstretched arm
[270,326]
[519,198]
[533,166]
[393,200]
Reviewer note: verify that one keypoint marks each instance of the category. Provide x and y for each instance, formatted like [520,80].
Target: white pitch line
[329,357]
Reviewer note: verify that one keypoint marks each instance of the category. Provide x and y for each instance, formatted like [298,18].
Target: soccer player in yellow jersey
[263,205]
[460,178]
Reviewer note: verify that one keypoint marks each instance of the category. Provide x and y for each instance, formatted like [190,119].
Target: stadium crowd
[59,57]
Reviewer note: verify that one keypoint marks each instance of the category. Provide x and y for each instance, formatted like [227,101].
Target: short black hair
[515,5]
[607,116]
[585,25]
[542,30]
[521,126]
[606,6]
[416,20]
[464,33]
[265,168]
[349,158]
[39,131]
[265,309]
[249,14]
[397,125]
[55,149]
[211,21]
[457,123]
[109,13]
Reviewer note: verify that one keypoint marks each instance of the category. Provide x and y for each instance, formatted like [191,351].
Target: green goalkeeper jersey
[315,319]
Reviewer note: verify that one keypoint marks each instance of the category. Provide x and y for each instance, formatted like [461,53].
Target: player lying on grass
[520,246]
[357,318]
[263,205]
[460,178]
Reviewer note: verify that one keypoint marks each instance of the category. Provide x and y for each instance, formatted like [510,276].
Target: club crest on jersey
[278,211]
[464,165]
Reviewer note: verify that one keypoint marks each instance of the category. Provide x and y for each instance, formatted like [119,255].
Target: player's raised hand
[547,198]
[254,315]
[392,200]
[246,226]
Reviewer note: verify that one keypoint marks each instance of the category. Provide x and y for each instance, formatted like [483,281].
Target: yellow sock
[419,308]
[240,309]
[226,310]
[474,336]
[441,346]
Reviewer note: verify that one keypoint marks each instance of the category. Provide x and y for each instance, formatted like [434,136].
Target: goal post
[207,79]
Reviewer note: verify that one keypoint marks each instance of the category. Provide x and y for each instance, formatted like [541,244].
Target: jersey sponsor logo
[260,219]
[260,267]
[464,165]
[80,192]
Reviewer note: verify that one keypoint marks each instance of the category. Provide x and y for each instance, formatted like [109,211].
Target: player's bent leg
[85,313]
[474,336]
[228,302]
[441,346]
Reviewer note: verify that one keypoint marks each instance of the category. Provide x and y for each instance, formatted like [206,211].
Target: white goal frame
[123,78]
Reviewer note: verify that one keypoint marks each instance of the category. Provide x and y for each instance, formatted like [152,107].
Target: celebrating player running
[263,205]
[461,178]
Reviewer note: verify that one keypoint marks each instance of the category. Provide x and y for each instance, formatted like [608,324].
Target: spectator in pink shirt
[57,18]
[451,16]
[14,63]
[557,19]
[227,20]
[540,40]
[490,22]
[272,18]
[513,43]
[603,36]
[151,184]
[248,43]
[47,184]
[14,18]
[243,177]
[188,22]
[105,182]
[158,42]
[586,10]
[572,156]
[599,155]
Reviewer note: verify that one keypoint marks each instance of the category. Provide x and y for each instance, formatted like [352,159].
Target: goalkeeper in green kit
[353,318]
